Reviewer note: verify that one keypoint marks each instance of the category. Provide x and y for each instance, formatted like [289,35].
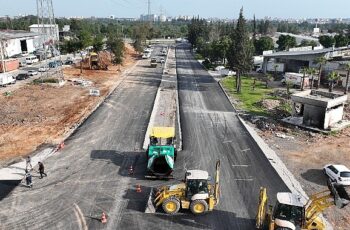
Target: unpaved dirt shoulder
[36,115]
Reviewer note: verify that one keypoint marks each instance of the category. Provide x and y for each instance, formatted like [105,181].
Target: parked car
[32,72]
[43,69]
[22,63]
[22,76]
[339,174]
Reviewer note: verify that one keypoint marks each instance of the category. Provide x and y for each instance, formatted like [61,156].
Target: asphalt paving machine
[195,193]
[290,213]
[161,153]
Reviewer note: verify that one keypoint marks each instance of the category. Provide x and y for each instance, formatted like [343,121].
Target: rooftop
[197,175]
[45,25]
[289,198]
[11,34]
[305,52]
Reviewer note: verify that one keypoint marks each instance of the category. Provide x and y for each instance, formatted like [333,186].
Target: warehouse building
[14,42]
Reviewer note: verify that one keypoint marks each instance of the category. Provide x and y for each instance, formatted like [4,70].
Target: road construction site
[91,175]
[37,115]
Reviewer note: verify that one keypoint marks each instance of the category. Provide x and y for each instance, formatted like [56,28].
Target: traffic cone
[62,145]
[138,188]
[131,170]
[103,218]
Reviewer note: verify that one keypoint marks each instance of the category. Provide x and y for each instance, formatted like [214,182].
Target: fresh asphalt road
[210,131]
[91,174]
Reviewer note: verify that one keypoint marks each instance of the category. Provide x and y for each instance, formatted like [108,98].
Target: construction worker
[29,163]
[41,169]
[28,178]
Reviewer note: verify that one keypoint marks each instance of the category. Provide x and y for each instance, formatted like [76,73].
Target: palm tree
[347,67]
[304,71]
[320,61]
[312,72]
[332,77]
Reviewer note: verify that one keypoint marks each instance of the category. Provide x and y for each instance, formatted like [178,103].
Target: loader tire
[171,205]
[199,207]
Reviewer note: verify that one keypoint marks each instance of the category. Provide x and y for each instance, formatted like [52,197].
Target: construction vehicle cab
[195,193]
[161,153]
[290,213]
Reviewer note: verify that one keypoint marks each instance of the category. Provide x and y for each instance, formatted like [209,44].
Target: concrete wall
[333,116]
[314,116]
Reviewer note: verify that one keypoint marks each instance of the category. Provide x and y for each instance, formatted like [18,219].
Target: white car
[339,174]
[32,72]
[43,69]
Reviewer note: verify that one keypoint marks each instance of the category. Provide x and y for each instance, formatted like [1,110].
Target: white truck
[6,79]
[295,79]
[274,66]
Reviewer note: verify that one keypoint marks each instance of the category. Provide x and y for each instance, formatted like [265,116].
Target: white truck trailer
[6,79]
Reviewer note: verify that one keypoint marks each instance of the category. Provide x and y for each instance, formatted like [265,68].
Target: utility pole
[3,64]
[149,10]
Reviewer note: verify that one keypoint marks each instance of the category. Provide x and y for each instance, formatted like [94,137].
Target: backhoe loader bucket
[340,194]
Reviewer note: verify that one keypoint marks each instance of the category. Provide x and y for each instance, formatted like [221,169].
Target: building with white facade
[48,31]
[17,42]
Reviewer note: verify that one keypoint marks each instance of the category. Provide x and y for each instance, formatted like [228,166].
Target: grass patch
[198,56]
[249,98]
[45,80]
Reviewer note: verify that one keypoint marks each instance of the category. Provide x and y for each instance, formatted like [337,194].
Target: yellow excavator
[290,213]
[194,193]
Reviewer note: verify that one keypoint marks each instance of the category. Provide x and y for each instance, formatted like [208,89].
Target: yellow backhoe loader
[194,193]
[290,213]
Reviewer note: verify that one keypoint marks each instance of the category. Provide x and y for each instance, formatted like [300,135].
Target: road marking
[243,179]
[240,165]
[245,150]
[80,217]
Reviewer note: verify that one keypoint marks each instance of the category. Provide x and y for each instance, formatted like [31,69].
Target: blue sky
[203,8]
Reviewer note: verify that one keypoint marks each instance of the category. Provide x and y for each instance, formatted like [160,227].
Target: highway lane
[90,175]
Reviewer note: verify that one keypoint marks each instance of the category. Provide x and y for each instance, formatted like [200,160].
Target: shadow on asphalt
[124,160]
[6,188]
[187,219]
[315,176]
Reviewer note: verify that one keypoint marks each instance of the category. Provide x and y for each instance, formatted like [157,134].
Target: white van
[6,79]
[31,59]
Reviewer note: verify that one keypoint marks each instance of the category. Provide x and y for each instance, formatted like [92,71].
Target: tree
[285,42]
[241,52]
[304,71]
[347,67]
[326,41]
[305,42]
[71,46]
[341,40]
[332,78]
[98,43]
[312,72]
[320,61]
[85,38]
[263,44]
[116,45]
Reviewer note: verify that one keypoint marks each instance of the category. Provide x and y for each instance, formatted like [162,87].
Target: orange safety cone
[103,218]
[138,188]
[131,170]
